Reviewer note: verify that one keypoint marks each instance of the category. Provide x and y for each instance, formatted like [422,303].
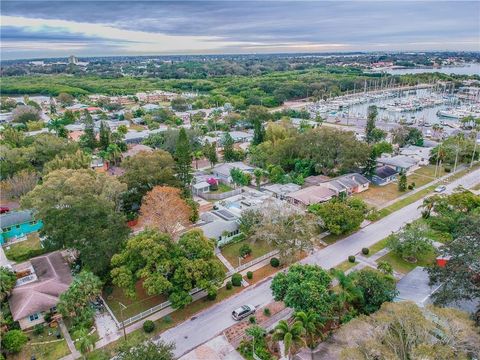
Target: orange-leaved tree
[164,209]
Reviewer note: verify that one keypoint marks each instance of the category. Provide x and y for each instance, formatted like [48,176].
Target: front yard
[222,188]
[404,267]
[43,347]
[142,302]
[232,251]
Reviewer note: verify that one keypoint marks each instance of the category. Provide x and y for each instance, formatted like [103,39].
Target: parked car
[242,312]
[440,188]
[4,209]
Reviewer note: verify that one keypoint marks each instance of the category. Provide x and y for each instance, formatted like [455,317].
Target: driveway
[214,320]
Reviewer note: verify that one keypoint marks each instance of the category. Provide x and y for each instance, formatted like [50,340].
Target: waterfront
[467,69]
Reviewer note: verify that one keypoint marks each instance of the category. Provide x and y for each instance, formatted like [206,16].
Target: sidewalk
[74,352]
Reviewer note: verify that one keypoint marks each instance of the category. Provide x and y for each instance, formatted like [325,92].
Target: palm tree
[84,340]
[428,205]
[312,324]
[197,155]
[291,335]
[113,153]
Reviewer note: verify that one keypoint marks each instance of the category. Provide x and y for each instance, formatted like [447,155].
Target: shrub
[167,319]
[252,319]
[229,285]
[212,296]
[48,317]
[148,326]
[237,279]
[351,258]
[245,250]
[274,262]
[266,312]
[250,275]
[365,251]
[38,329]
[108,290]
[14,340]
[447,169]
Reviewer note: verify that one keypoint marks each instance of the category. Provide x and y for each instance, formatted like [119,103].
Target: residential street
[214,320]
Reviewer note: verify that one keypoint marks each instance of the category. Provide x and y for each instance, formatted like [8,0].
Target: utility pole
[123,307]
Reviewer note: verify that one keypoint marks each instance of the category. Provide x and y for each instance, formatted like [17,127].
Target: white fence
[251,263]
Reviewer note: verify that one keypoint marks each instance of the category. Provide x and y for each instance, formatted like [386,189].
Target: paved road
[214,320]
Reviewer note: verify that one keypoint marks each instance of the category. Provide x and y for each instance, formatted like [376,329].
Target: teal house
[17,224]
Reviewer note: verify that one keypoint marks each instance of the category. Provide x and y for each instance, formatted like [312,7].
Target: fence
[166,304]
[152,310]
[220,196]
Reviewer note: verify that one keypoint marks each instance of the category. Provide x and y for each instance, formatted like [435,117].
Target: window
[34,317]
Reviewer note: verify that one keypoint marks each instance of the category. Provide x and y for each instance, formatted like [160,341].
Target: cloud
[149,27]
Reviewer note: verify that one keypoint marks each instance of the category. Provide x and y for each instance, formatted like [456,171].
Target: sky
[40,29]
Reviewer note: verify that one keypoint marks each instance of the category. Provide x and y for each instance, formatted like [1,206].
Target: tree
[7,282]
[228,150]
[382,147]
[460,276]
[239,177]
[411,242]
[311,323]
[179,104]
[84,288]
[304,288]
[75,161]
[183,159]
[167,267]
[88,139]
[65,99]
[24,114]
[259,174]
[385,267]
[14,340]
[145,170]
[112,154]
[12,137]
[104,135]
[286,228]
[402,330]
[407,136]
[372,113]
[402,182]
[249,220]
[84,341]
[375,288]
[89,225]
[197,155]
[340,217]
[61,188]
[19,184]
[164,209]
[210,151]
[291,335]
[370,165]
[149,350]
[258,133]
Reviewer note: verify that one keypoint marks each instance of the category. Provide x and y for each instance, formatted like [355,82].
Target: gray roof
[384,172]
[15,218]
[401,161]
[215,228]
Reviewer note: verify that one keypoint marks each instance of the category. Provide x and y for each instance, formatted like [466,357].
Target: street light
[123,307]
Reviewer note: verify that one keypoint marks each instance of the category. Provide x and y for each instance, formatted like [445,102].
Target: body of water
[467,69]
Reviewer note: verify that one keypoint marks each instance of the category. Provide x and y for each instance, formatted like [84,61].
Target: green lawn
[54,350]
[259,248]
[377,247]
[346,265]
[142,302]
[221,189]
[402,266]
[24,250]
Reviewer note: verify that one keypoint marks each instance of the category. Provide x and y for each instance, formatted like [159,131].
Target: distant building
[18,224]
[73,60]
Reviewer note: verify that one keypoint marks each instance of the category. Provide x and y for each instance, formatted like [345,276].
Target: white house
[418,153]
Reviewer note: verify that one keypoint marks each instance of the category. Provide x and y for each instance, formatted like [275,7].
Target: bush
[351,258]
[245,250]
[237,279]
[148,326]
[212,296]
[167,319]
[266,312]
[14,340]
[365,251]
[20,253]
[447,169]
[249,275]
[229,285]
[38,329]
[274,262]
[252,320]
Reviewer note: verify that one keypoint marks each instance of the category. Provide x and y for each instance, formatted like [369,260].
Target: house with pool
[17,224]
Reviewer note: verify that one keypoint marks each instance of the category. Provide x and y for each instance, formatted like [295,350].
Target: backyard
[232,251]
[24,250]
[55,349]
[222,188]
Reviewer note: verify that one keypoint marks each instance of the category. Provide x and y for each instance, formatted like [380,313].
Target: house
[18,224]
[40,282]
[222,171]
[418,153]
[304,123]
[200,188]
[311,195]
[241,136]
[150,107]
[135,149]
[401,163]
[221,226]
[280,191]
[384,175]
[315,180]
[349,183]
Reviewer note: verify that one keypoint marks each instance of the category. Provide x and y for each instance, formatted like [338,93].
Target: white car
[440,188]
[242,312]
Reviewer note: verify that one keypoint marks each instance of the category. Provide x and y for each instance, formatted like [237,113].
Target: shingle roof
[54,277]
[312,194]
[384,172]
[15,218]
